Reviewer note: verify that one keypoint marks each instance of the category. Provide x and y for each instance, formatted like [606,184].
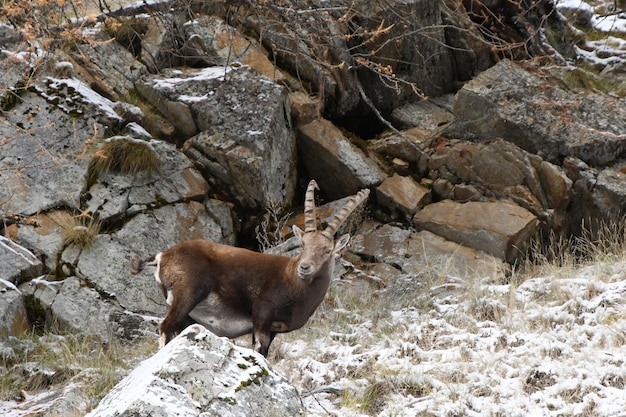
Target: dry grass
[80,231]
[125,156]
[41,361]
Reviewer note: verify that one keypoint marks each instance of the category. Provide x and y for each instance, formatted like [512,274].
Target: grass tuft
[80,231]
[125,156]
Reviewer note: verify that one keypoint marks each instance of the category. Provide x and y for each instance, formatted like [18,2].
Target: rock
[199,373]
[105,262]
[502,170]
[12,310]
[401,196]
[339,167]
[44,232]
[500,228]
[532,111]
[382,243]
[115,195]
[213,37]
[408,148]
[70,305]
[246,146]
[107,66]
[18,263]
[599,195]
[433,253]
[43,158]
[304,108]
[424,114]
[413,253]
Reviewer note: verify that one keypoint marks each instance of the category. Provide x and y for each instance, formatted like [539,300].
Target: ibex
[234,291]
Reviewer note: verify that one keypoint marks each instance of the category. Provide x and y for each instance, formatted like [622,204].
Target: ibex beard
[234,291]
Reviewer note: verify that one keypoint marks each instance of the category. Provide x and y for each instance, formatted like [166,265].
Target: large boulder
[339,167]
[500,228]
[412,253]
[246,146]
[531,110]
[200,374]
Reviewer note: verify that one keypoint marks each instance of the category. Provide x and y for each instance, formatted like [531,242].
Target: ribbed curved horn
[310,223]
[345,211]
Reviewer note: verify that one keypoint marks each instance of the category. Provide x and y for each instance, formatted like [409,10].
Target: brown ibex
[234,291]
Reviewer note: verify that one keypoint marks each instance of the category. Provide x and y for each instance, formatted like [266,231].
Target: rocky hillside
[479,128]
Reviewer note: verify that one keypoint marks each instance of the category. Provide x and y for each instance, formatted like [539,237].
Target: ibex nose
[304,270]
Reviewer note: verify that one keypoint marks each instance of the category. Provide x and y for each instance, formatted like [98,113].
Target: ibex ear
[341,242]
[297,233]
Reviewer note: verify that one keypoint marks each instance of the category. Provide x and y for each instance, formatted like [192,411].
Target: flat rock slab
[500,228]
[17,263]
[199,373]
[413,253]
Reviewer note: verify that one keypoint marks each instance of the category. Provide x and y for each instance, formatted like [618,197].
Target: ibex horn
[310,223]
[345,211]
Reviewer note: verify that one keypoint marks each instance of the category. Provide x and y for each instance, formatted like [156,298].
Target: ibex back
[234,291]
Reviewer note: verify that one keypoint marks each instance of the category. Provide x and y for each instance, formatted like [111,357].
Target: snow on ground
[550,346]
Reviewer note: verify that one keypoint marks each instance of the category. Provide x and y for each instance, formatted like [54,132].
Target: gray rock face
[71,306]
[45,179]
[197,374]
[537,115]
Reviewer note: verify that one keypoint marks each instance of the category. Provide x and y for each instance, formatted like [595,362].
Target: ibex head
[319,246]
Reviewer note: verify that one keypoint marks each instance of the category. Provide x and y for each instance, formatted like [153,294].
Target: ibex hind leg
[177,318]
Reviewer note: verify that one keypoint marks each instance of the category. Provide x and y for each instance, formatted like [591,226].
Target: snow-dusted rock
[18,263]
[199,373]
[245,146]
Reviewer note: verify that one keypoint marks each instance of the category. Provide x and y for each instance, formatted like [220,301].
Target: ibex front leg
[262,334]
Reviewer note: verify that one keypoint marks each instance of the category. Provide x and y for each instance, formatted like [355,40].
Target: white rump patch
[157,260]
